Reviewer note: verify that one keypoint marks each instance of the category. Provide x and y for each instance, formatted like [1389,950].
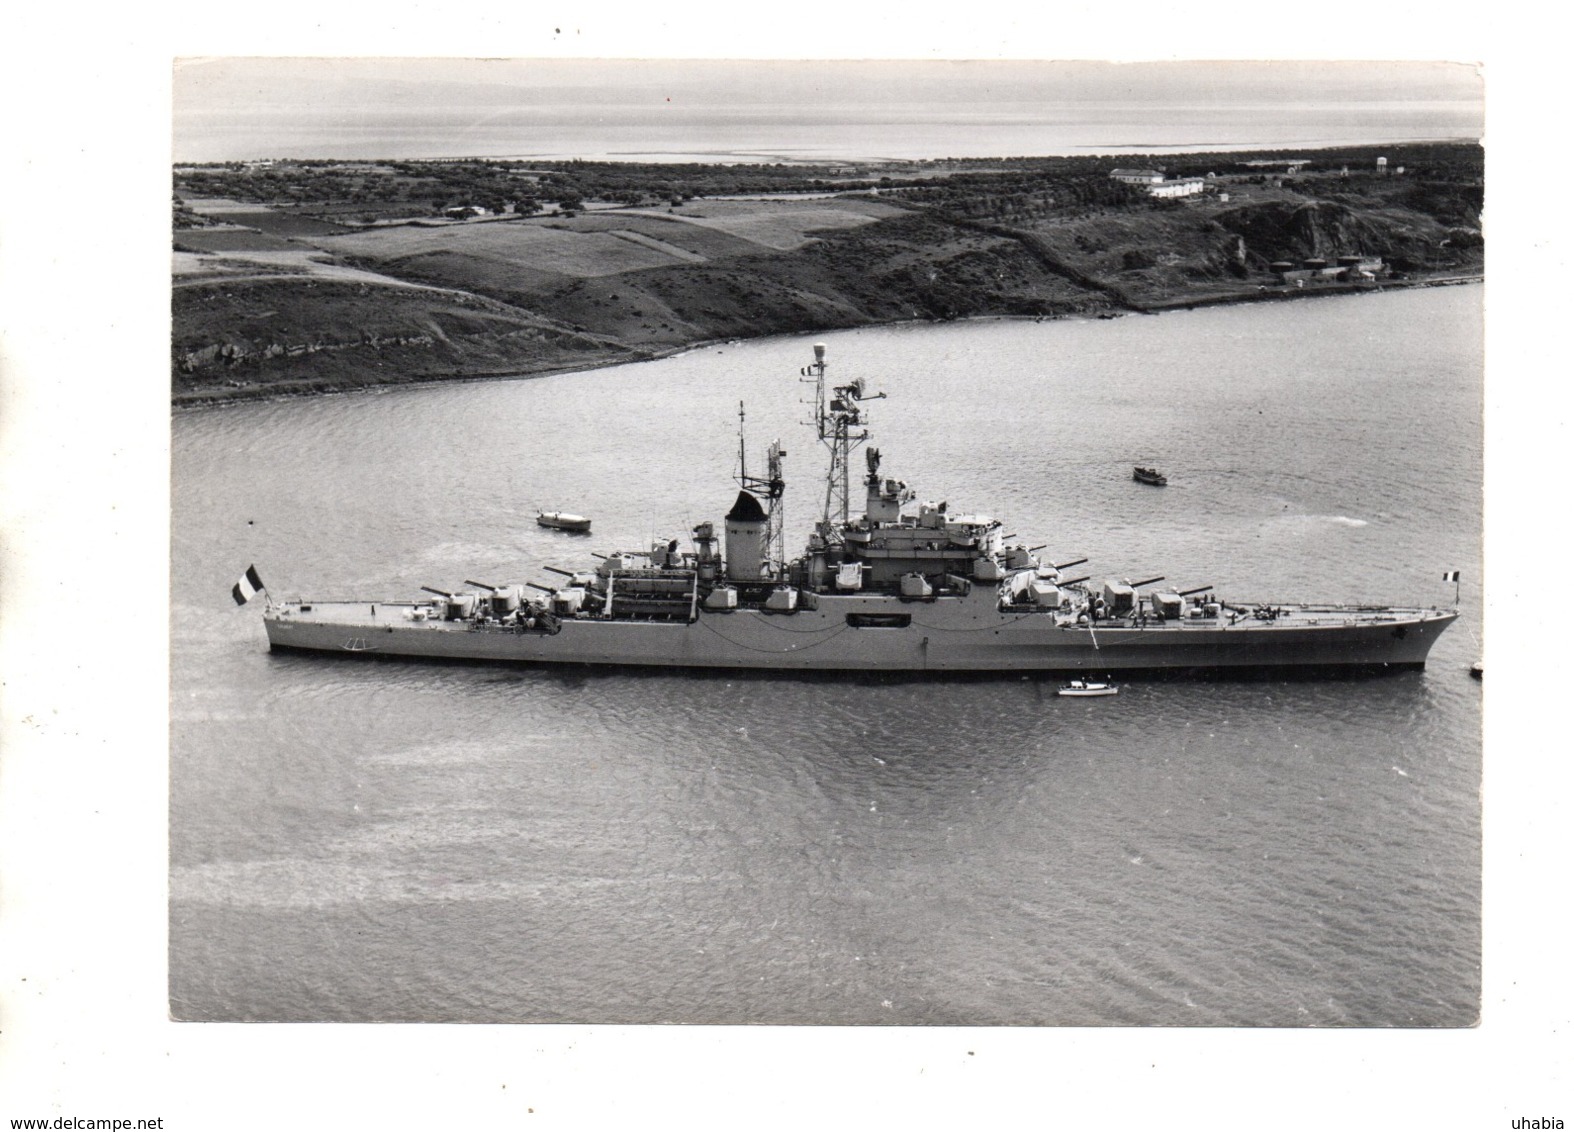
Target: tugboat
[892,589]
[1149,475]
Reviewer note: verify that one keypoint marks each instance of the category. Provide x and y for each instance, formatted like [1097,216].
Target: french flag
[249,586]
[1451,576]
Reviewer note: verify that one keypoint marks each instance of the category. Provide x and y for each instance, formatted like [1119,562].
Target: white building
[1137,176]
[1183,187]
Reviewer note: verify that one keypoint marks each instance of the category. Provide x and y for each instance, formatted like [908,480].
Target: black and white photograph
[757,560]
[954,560]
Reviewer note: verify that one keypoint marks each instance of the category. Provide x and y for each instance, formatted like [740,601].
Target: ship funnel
[746,548]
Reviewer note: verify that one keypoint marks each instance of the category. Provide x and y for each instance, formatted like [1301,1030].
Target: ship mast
[772,486]
[838,422]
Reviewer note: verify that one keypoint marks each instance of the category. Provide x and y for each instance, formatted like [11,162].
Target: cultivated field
[312,275]
[615,241]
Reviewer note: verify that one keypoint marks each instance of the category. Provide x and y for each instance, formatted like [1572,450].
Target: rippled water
[383,840]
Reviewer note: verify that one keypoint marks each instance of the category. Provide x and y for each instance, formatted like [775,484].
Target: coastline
[327,387]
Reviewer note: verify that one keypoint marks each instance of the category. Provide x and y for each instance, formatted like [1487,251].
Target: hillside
[274,296]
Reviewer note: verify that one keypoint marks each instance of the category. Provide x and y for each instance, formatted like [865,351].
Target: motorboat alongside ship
[1149,476]
[892,589]
[1087,688]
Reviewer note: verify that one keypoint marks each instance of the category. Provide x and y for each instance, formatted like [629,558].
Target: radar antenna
[839,424]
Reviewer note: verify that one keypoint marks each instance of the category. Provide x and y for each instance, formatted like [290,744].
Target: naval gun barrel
[557,570]
[1074,581]
[543,589]
[1198,590]
[1068,565]
[482,585]
[1145,582]
[439,593]
[1036,549]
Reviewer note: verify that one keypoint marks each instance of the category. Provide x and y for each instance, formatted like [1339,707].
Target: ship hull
[968,633]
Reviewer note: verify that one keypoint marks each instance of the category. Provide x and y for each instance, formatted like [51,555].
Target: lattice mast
[839,423]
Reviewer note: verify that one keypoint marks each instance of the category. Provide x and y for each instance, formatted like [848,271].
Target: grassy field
[537,246]
[291,299]
[783,225]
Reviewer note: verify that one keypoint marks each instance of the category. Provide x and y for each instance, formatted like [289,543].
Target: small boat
[1149,475]
[563,521]
[1086,688]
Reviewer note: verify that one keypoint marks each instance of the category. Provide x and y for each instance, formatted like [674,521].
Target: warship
[897,589]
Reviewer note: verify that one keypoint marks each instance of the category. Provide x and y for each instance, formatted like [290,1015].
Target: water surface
[403,841]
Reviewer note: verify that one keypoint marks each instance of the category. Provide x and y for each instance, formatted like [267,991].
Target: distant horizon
[248,109]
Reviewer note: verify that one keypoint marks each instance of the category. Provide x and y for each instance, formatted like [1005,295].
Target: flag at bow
[1451,576]
[249,586]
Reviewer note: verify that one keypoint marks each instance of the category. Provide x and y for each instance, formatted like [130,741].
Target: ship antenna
[773,485]
[838,422]
[743,459]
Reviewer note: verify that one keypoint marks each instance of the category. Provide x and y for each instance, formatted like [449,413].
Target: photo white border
[84,419]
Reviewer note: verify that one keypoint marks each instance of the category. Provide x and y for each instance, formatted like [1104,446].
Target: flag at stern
[249,586]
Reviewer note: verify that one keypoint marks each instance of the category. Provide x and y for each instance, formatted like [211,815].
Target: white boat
[563,521]
[1085,688]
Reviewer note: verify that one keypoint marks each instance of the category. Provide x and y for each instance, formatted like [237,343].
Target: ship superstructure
[897,588]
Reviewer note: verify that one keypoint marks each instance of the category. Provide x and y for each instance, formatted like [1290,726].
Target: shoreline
[252,394]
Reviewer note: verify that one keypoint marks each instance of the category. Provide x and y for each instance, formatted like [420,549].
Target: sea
[356,840]
[637,132]
[750,111]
